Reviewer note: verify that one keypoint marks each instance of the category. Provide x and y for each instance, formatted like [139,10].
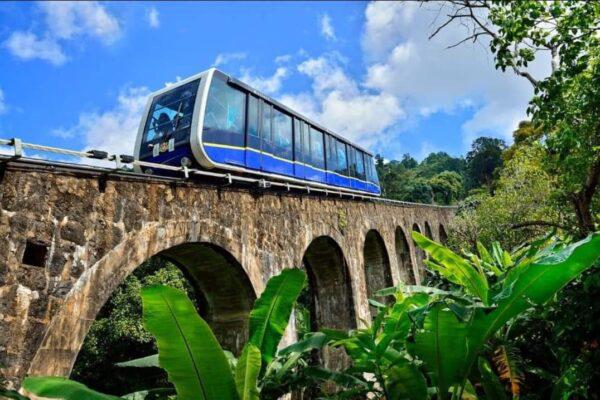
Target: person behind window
[163,126]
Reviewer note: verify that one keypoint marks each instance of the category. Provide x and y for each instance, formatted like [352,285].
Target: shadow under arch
[428,231]
[419,253]
[377,267]
[226,293]
[403,258]
[443,235]
[330,295]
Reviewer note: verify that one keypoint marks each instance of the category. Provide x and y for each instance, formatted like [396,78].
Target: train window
[331,153]
[368,167]
[297,141]
[352,161]
[360,166]
[170,116]
[317,154]
[224,117]
[282,134]
[266,133]
[305,143]
[342,159]
[253,123]
[375,176]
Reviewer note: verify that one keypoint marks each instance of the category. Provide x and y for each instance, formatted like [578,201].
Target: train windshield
[170,117]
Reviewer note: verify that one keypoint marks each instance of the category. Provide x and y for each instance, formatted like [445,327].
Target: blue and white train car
[214,121]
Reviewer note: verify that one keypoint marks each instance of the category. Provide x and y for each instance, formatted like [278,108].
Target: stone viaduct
[68,238]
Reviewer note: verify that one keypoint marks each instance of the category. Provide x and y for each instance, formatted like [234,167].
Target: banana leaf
[144,362]
[53,387]
[187,348]
[271,312]
[455,268]
[159,393]
[246,373]
[491,383]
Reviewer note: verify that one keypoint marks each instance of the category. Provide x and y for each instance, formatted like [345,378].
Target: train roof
[248,88]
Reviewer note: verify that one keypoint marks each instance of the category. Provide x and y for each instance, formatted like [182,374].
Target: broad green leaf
[187,348]
[537,282]
[455,268]
[491,383]
[442,345]
[405,381]
[53,387]
[246,373]
[161,393]
[310,342]
[144,362]
[271,312]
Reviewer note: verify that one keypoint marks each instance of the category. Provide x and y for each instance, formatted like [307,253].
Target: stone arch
[405,265]
[442,234]
[428,231]
[377,265]
[176,240]
[419,254]
[329,281]
[331,300]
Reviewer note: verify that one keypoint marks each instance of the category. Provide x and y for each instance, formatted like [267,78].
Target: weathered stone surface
[228,241]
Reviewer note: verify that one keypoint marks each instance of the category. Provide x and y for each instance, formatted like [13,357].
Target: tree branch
[539,223]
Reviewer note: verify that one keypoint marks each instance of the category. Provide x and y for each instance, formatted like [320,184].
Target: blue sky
[77,75]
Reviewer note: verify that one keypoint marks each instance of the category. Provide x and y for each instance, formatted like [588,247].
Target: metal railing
[121,161]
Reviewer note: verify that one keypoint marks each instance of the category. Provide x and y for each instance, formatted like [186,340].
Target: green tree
[482,160]
[565,103]
[436,163]
[446,186]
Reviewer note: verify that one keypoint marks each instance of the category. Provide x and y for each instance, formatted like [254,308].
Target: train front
[165,131]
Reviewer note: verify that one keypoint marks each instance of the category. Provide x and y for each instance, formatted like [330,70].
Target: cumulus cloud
[224,58]
[283,59]
[27,46]
[64,21]
[270,84]
[113,130]
[430,78]
[152,17]
[326,28]
[338,102]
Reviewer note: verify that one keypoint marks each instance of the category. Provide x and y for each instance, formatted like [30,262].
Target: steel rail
[121,161]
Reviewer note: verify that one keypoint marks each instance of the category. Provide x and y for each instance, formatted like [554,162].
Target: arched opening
[428,232]
[377,266]
[405,266]
[215,282]
[443,235]
[329,296]
[419,254]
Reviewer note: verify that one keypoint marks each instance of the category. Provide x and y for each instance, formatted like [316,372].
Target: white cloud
[428,78]
[268,85]
[224,58]
[64,21]
[326,28]
[112,130]
[152,16]
[27,46]
[169,83]
[283,59]
[2,103]
[339,103]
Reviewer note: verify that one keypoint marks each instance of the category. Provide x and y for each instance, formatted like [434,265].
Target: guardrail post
[18,147]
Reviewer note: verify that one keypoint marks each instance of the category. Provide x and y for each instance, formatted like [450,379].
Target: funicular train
[214,121]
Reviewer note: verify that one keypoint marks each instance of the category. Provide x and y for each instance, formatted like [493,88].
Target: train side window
[266,132]
[342,158]
[360,166]
[305,143]
[331,153]
[352,161]
[297,141]
[253,123]
[225,115]
[374,172]
[369,168]
[316,148]
[282,134]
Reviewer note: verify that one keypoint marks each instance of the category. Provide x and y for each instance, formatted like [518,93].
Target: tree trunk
[582,200]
